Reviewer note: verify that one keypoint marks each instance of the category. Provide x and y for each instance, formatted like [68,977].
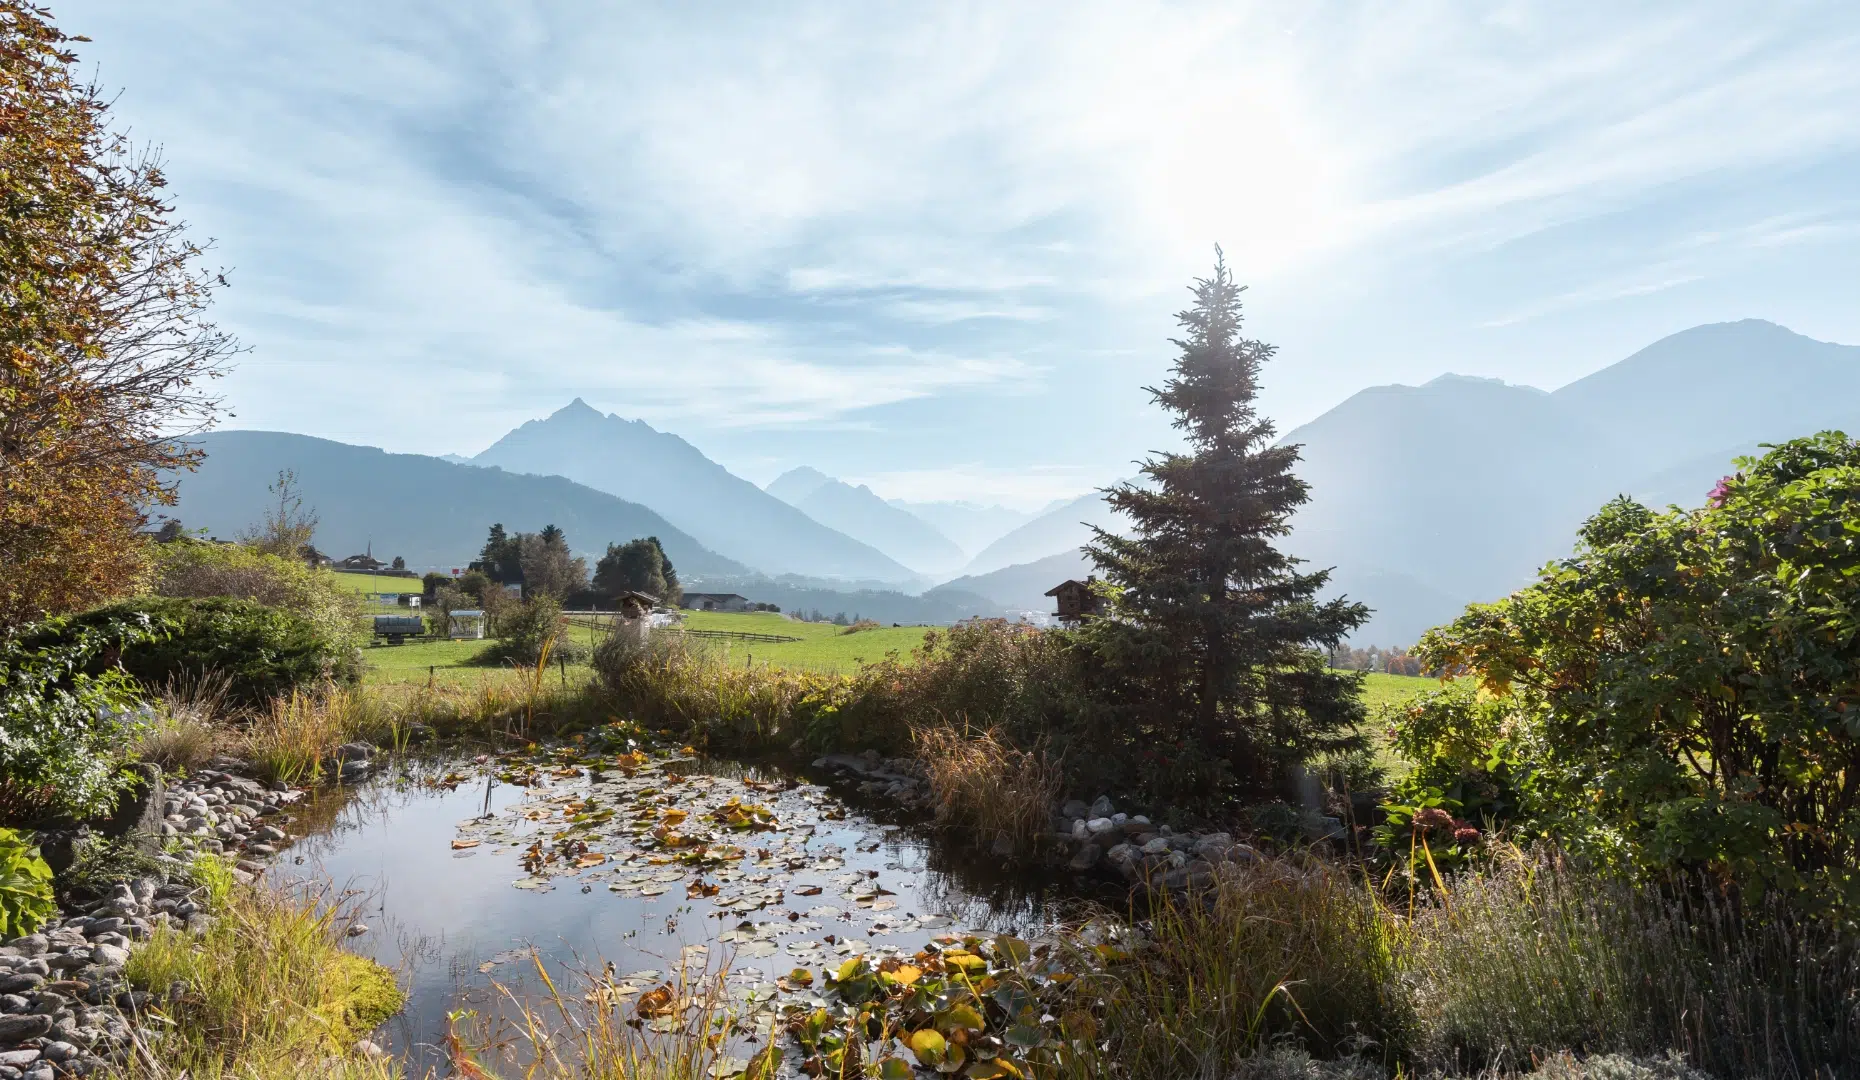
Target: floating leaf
[894,1068]
[929,1046]
[960,1018]
[462,845]
[656,1002]
[905,975]
[1012,949]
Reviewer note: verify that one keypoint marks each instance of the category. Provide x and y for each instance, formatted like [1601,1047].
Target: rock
[352,771]
[1079,831]
[31,945]
[1101,807]
[270,834]
[109,955]
[357,929]
[19,1027]
[1119,819]
[70,987]
[354,751]
[105,926]
[1098,826]
[70,961]
[13,1003]
[1086,857]
[20,982]
[41,1070]
[132,1001]
[1158,846]
[262,850]
[58,1051]
[368,1048]
[18,1059]
[1075,808]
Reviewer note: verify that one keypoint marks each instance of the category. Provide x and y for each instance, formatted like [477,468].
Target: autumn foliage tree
[105,348]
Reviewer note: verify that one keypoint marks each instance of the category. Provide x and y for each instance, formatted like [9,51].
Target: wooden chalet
[1075,600]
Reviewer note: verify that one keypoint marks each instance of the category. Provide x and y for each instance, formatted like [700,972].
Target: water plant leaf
[960,1018]
[929,1046]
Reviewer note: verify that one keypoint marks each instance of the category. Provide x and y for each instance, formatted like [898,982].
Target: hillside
[862,515]
[431,512]
[724,512]
[939,607]
[970,526]
[1061,529]
[1021,587]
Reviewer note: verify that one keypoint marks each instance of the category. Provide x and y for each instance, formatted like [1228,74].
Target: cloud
[730,218]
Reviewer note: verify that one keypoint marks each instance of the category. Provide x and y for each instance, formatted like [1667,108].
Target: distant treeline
[1394,661]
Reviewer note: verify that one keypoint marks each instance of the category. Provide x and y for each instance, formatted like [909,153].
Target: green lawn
[368,583]
[1380,689]
[823,646]
[449,662]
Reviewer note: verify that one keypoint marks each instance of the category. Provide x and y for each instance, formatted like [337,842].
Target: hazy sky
[938,247]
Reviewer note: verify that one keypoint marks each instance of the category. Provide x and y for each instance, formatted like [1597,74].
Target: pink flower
[1722,492]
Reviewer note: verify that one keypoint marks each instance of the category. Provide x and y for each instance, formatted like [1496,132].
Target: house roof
[1068,583]
[715,595]
[478,612]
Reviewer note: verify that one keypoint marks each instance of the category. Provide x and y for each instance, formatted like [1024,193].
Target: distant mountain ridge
[1427,498]
[724,512]
[862,515]
[432,512]
[970,526]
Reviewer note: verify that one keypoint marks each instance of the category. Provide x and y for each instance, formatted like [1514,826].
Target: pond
[460,868]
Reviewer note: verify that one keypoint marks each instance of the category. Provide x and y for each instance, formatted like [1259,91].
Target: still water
[459,869]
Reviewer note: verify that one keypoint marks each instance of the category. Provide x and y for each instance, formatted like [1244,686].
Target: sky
[938,248]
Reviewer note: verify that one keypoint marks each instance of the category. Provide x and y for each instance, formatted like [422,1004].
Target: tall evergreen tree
[1215,640]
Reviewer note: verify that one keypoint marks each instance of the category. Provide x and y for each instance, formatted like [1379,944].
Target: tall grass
[1535,957]
[685,1029]
[981,784]
[266,992]
[1522,961]
[295,734]
[1294,946]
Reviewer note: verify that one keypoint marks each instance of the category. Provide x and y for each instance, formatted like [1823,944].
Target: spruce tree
[1215,642]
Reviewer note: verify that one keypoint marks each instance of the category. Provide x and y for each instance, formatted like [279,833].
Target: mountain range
[862,515]
[1423,498]
[1427,498]
[722,511]
[431,512]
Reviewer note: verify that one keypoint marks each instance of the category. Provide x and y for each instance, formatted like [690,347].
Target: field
[823,646]
[369,583]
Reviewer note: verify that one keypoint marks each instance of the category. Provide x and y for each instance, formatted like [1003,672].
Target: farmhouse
[1075,600]
[707,601]
[361,562]
[635,605]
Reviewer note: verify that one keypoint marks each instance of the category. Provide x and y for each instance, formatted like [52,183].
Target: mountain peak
[577,409]
[797,484]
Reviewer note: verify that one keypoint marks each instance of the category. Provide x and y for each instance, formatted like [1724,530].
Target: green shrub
[260,652]
[1681,691]
[523,633]
[69,716]
[194,570]
[25,887]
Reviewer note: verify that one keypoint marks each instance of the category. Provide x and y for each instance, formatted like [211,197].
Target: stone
[270,834]
[58,1051]
[1079,831]
[20,982]
[31,945]
[105,926]
[1086,857]
[368,1048]
[1158,846]
[1075,808]
[1213,846]
[13,1003]
[70,961]
[18,1059]
[109,955]
[41,1070]
[1101,807]
[1098,826]
[357,929]
[18,1027]
[133,1001]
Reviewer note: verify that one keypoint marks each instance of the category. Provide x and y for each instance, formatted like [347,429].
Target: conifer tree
[1215,640]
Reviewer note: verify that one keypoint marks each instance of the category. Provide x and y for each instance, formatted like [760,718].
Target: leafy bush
[523,633]
[259,651]
[69,716]
[193,570]
[25,887]
[1682,689]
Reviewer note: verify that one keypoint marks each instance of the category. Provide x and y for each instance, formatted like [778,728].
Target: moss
[363,996]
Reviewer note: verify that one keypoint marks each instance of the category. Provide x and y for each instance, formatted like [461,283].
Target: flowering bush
[1681,692]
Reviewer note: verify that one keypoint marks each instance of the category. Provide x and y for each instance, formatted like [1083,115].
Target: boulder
[1086,857]
[1101,807]
[17,1028]
[1099,826]
[1075,808]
